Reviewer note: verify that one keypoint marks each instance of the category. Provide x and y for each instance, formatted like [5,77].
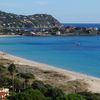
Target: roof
[3,94]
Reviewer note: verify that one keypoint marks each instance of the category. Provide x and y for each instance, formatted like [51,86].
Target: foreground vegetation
[24,86]
[40,91]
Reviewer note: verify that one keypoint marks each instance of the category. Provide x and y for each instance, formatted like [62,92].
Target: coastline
[9,35]
[68,34]
[94,82]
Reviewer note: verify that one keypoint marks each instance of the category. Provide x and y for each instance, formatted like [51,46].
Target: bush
[20,96]
[5,82]
[90,96]
[36,94]
[26,75]
[28,94]
[48,90]
[55,93]
[39,85]
[75,97]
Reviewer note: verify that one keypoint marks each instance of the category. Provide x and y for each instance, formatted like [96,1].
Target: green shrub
[48,90]
[5,82]
[55,93]
[26,75]
[36,94]
[75,97]
[90,96]
[39,85]
[20,96]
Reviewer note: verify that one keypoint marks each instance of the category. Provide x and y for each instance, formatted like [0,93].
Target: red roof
[3,94]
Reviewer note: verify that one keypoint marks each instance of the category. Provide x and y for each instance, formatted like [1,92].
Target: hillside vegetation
[20,23]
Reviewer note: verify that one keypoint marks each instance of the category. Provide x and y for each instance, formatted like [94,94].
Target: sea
[75,53]
[97,25]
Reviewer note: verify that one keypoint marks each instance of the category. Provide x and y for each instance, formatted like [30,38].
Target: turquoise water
[75,53]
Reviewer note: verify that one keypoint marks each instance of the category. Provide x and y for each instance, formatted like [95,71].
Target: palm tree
[12,69]
[26,77]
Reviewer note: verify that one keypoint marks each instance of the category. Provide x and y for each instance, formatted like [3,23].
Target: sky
[66,11]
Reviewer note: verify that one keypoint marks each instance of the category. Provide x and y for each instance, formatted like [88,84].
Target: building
[3,93]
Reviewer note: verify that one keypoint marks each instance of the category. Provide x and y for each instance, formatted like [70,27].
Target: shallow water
[76,53]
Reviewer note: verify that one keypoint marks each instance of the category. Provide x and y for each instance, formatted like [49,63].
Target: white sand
[92,81]
[9,35]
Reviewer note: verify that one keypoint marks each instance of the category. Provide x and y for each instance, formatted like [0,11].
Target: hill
[11,22]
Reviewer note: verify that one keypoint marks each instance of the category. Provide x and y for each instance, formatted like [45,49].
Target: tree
[5,81]
[18,85]
[35,94]
[26,77]
[20,96]
[48,90]
[55,93]
[28,94]
[37,84]
[12,69]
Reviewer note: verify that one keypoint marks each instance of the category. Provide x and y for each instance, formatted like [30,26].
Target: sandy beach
[9,35]
[94,83]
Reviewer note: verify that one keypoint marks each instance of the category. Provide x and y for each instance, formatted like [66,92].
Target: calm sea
[75,53]
[83,24]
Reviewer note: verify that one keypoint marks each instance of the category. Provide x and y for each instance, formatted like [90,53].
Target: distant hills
[13,21]
[40,24]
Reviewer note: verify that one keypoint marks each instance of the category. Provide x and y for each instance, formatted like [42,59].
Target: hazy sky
[70,11]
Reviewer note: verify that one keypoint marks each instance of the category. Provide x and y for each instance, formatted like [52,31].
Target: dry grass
[50,77]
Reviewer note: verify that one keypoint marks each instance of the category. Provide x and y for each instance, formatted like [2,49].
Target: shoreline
[9,35]
[94,82]
[68,34]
